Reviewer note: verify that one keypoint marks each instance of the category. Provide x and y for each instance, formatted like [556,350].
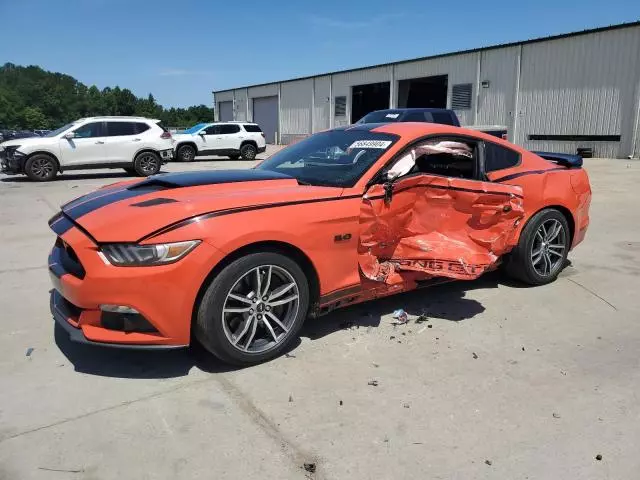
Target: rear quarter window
[497,157]
[252,128]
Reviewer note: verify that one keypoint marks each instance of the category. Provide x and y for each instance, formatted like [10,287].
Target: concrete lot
[556,380]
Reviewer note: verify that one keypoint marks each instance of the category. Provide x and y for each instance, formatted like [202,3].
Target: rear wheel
[41,168]
[147,163]
[248,151]
[186,153]
[253,309]
[542,250]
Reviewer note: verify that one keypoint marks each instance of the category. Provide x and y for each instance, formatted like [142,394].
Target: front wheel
[248,152]
[41,168]
[186,153]
[253,309]
[542,250]
[147,163]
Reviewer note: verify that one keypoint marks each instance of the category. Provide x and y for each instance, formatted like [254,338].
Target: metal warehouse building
[556,93]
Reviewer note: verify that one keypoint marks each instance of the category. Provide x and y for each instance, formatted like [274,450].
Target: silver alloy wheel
[547,249]
[260,309]
[148,163]
[187,154]
[42,167]
[250,152]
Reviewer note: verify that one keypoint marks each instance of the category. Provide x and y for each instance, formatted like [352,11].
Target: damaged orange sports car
[237,259]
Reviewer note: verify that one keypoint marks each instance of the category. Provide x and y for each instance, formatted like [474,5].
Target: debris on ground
[405,405]
[340,402]
[391,337]
[289,355]
[523,349]
[30,351]
[376,365]
[290,398]
[598,457]
[400,317]
[422,318]
[310,467]
[556,415]
[488,462]
[373,383]
[404,333]
[429,326]
[65,470]
[475,355]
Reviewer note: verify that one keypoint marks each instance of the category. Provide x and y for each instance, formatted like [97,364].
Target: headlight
[133,255]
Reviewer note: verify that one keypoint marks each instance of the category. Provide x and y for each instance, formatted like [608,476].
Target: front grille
[70,261]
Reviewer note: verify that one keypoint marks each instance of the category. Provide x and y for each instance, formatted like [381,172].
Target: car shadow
[446,302]
[72,176]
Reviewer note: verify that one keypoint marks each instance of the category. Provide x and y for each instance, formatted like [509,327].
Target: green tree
[33,118]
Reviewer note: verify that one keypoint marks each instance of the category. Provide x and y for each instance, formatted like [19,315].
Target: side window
[229,129]
[497,157]
[212,130]
[414,117]
[252,128]
[90,130]
[443,157]
[120,129]
[141,127]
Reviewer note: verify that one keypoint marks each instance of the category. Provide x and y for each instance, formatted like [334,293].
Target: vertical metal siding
[240,108]
[295,105]
[322,104]
[582,85]
[459,68]
[496,103]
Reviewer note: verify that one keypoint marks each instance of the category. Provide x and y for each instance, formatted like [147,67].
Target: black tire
[147,163]
[248,151]
[210,327]
[186,153]
[234,157]
[520,263]
[130,170]
[41,168]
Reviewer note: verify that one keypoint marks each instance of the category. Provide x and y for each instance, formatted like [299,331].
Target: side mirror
[202,133]
[69,135]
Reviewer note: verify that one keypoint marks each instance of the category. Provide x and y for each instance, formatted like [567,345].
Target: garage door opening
[265,114]
[225,111]
[367,98]
[425,92]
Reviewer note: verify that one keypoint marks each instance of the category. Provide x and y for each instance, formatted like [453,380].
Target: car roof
[119,117]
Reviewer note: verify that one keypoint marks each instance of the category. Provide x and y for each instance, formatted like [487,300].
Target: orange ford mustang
[239,258]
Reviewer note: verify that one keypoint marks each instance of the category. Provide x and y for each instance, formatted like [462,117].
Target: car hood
[132,211]
[21,142]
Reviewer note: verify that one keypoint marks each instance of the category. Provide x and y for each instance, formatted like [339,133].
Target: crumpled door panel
[440,226]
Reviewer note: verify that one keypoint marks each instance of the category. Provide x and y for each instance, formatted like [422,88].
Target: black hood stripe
[219,213]
[78,210]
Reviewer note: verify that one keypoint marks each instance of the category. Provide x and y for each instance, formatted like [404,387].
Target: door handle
[99,142]
[136,139]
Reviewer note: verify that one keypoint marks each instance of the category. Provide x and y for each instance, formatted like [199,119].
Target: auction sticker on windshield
[382,144]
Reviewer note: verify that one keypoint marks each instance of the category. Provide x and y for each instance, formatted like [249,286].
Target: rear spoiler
[564,159]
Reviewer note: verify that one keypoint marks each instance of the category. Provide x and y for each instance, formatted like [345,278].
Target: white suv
[139,145]
[231,139]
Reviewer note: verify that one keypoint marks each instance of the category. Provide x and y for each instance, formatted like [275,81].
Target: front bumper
[166,155]
[262,149]
[164,295]
[10,164]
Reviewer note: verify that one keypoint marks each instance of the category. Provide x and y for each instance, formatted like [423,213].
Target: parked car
[136,144]
[231,139]
[255,251]
[41,133]
[6,135]
[429,115]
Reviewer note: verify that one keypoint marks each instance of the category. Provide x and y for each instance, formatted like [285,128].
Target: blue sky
[181,50]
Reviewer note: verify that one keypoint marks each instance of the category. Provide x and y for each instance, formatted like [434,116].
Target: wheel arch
[566,212]
[249,142]
[275,246]
[190,143]
[42,152]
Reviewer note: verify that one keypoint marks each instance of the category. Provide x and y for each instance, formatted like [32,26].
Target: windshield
[195,128]
[337,158]
[383,116]
[53,133]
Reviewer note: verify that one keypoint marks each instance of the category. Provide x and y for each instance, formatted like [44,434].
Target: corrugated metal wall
[459,68]
[496,102]
[580,85]
[322,104]
[577,85]
[295,109]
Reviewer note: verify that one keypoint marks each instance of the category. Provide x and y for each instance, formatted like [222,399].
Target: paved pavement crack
[592,293]
[106,409]
[296,454]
